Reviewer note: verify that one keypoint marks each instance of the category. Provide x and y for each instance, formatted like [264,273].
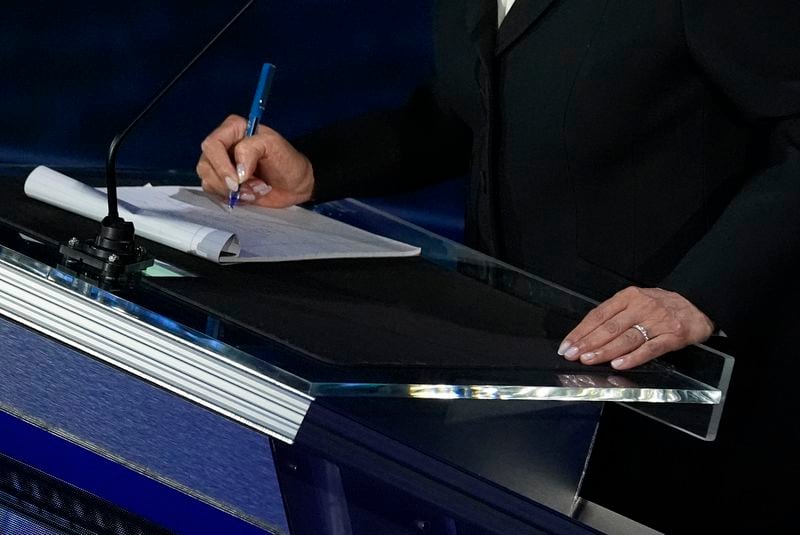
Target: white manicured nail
[240,170]
[587,357]
[616,363]
[248,197]
[231,183]
[566,344]
[261,188]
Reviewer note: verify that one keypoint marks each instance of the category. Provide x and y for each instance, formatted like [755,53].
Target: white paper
[191,221]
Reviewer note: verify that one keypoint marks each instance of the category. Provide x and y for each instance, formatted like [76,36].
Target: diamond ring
[642,331]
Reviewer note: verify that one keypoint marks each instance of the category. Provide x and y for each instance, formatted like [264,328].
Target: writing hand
[271,172]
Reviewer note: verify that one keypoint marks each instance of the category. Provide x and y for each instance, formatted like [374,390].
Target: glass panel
[703,364]
[386,328]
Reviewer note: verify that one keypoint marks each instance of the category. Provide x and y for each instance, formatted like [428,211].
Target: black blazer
[608,142]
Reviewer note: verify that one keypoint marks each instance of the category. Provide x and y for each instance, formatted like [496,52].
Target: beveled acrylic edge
[520,392]
[83,317]
[715,419]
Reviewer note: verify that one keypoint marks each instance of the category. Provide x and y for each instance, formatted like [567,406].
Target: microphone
[112,259]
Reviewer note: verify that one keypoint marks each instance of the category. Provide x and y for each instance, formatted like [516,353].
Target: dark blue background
[76,73]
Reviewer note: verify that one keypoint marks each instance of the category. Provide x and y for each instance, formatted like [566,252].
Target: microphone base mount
[112,260]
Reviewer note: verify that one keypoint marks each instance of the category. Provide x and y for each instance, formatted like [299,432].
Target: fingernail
[249,197]
[571,352]
[566,344]
[240,170]
[261,188]
[616,363]
[231,183]
[586,357]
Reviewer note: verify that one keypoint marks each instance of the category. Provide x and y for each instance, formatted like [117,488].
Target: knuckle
[664,316]
[612,327]
[631,292]
[680,330]
[269,132]
[205,145]
[650,302]
[240,151]
[596,314]
[232,118]
[270,139]
[669,294]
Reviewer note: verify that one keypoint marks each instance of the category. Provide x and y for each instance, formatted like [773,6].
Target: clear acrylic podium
[374,394]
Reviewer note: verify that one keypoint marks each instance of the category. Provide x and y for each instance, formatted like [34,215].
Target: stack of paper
[192,221]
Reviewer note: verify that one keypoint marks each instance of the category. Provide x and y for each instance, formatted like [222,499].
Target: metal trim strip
[128,343]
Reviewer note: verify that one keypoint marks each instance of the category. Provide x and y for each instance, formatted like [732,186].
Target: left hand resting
[634,326]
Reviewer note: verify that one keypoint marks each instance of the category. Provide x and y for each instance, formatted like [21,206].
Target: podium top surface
[450,324]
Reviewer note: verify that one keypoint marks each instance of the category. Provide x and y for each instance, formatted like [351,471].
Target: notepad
[192,221]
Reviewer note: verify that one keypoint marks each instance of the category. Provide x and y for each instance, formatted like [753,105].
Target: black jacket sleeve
[388,151]
[750,50]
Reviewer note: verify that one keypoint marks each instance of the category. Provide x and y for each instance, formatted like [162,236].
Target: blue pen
[256,110]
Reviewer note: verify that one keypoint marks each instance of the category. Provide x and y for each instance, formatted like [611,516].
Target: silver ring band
[642,331]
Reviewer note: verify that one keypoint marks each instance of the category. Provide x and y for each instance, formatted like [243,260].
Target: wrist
[308,181]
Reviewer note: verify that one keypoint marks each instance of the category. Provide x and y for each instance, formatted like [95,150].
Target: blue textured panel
[14,524]
[132,491]
[152,430]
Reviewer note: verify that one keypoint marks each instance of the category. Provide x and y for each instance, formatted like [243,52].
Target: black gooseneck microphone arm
[111,160]
[112,259]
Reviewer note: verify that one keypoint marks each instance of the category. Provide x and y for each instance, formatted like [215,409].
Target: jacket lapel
[522,15]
